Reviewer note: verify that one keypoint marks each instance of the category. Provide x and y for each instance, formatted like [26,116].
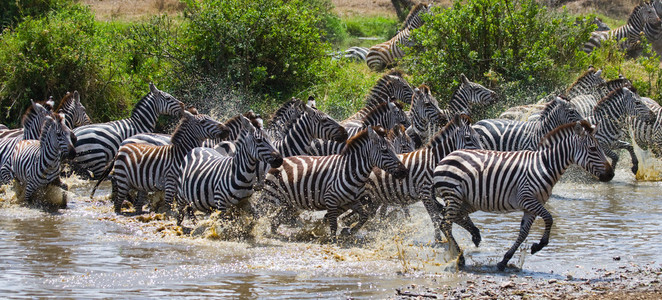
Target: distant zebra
[390,87]
[73,111]
[466,96]
[387,115]
[387,53]
[333,183]
[642,19]
[424,112]
[656,41]
[610,117]
[384,189]
[98,143]
[356,53]
[37,163]
[148,168]
[584,84]
[493,181]
[508,135]
[212,182]
[647,134]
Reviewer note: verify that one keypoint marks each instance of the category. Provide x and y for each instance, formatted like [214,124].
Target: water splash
[650,167]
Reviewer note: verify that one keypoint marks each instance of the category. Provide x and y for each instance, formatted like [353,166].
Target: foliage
[500,39]
[265,50]
[14,11]
[378,26]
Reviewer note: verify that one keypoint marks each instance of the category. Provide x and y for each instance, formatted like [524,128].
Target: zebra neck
[297,138]
[459,103]
[356,166]
[556,159]
[243,162]
[144,115]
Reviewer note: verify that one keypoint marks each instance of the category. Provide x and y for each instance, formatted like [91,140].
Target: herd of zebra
[380,157]
[644,19]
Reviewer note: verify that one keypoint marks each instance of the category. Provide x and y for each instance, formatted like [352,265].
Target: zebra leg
[635,161]
[119,194]
[30,190]
[547,217]
[527,220]
[469,226]
[613,155]
[363,217]
[435,209]
[59,183]
[141,199]
[332,218]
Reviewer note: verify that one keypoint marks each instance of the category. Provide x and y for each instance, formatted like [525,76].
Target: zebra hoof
[536,247]
[346,232]
[501,266]
[460,262]
[476,239]
[635,169]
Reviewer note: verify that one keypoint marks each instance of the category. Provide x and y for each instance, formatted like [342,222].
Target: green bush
[496,41]
[268,46]
[14,11]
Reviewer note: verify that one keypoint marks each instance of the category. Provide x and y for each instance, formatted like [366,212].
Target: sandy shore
[626,282]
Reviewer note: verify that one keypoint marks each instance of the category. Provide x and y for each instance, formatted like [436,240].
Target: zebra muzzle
[276,160]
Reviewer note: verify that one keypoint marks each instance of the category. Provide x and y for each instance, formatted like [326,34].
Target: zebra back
[74,111]
[413,19]
[642,19]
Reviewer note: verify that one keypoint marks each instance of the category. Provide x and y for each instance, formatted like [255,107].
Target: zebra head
[645,14]
[657,5]
[458,134]
[381,153]
[73,110]
[472,93]
[424,109]
[401,141]
[34,117]
[258,142]
[558,112]
[622,103]
[323,126]
[165,103]
[585,83]
[200,127]
[64,136]
[286,114]
[586,150]
[392,86]
[387,115]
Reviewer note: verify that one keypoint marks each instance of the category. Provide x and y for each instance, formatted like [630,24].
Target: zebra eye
[593,148]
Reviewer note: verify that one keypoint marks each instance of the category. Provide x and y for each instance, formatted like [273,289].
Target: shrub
[496,40]
[14,11]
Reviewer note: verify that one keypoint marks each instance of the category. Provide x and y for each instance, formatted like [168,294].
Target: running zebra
[390,87]
[586,103]
[37,163]
[387,115]
[333,183]
[493,181]
[283,117]
[584,84]
[32,121]
[642,19]
[212,182]
[384,189]
[387,53]
[466,96]
[647,134]
[148,168]
[73,111]
[508,135]
[610,118]
[98,143]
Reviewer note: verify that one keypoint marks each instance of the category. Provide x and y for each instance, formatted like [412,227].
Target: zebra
[388,115]
[333,183]
[98,143]
[74,111]
[495,181]
[384,189]
[656,40]
[424,112]
[286,113]
[586,102]
[648,134]
[584,84]
[642,19]
[356,53]
[508,135]
[392,86]
[213,182]
[401,141]
[37,163]
[610,115]
[32,121]
[383,55]
[148,168]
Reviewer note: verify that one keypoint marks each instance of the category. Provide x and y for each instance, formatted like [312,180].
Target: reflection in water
[86,251]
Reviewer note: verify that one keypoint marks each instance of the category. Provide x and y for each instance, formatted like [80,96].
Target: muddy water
[86,251]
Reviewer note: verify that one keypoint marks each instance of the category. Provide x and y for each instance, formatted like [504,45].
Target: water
[87,251]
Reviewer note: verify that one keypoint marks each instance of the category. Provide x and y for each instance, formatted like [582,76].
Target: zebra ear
[391,105]
[77,97]
[153,88]
[598,72]
[464,79]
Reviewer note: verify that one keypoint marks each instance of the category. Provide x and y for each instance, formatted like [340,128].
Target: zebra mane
[373,98]
[284,107]
[413,13]
[442,134]
[381,108]
[256,119]
[363,135]
[30,112]
[591,70]
[612,94]
[569,126]
[398,130]
[636,10]
[143,101]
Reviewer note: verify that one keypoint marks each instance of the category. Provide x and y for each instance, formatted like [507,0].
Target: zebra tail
[109,167]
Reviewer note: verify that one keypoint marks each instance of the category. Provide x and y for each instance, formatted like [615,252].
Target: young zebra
[36,163]
[213,182]
[98,143]
[642,19]
[73,111]
[493,181]
[386,54]
[333,183]
[508,135]
[392,86]
[384,189]
[610,117]
[149,168]
[387,115]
